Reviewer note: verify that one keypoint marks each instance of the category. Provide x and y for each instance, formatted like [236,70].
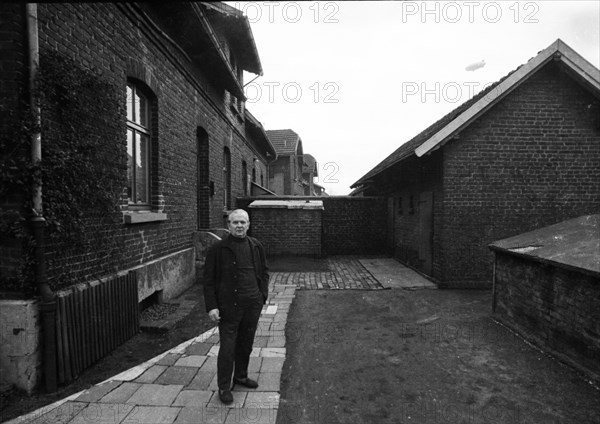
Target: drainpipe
[48,305]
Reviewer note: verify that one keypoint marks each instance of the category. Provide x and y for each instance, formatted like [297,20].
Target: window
[399,206]
[254,175]
[138,147]
[262,179]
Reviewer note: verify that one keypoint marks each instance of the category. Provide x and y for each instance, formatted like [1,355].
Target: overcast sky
[357,79]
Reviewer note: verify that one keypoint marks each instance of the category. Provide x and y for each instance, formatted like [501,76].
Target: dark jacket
[220,273]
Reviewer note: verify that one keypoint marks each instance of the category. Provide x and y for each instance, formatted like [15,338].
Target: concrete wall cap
[287,204]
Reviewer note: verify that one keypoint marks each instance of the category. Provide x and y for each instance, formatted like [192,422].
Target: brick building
[310,171]
[187,145]
[522,154]
[285,173]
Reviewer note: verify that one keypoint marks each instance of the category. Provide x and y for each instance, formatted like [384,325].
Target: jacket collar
[228,241]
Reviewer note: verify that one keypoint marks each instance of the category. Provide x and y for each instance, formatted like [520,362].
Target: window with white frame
[138,146]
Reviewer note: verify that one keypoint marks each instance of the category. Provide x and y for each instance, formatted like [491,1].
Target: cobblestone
[347,273]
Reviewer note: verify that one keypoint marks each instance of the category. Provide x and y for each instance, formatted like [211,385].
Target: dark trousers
[236,337]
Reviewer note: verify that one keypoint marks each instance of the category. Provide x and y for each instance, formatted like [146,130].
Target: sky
[358,79]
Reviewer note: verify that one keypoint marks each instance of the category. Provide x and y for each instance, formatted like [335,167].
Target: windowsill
[140,217]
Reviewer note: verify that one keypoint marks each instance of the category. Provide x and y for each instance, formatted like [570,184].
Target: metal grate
[92,320]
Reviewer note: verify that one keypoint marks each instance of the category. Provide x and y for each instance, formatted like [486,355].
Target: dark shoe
[246,382]
[226,397]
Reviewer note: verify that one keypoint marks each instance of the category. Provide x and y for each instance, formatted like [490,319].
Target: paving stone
[152,414]
[198,349]
[103,413]
[255,364]
[202,380]
[238,400]
[193,398]
[151,374]
[213,339]
[214,351]
[191,361]
[263,400]
[177,375]
[269,381]
[261,341]
[121,394]
[276,342]
[207,415]
[252,416]
[272,364]
[251,375]
[214,384]
[155,395]
[60,415]
[169,359]
[210,364]
[98,391]
[273,352]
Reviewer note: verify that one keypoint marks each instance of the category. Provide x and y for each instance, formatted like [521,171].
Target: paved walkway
[179,386]
[344,273]
[357,273]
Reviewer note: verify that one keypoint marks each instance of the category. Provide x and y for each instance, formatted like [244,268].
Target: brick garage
[547,287]
[523,154]
[349,225]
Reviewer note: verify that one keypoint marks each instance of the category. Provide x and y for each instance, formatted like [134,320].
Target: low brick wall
[286,231]
[555,307]
[348,226]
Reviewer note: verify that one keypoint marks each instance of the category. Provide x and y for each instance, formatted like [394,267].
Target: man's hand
[214,315]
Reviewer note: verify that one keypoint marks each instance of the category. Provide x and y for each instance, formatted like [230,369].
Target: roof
[257,131]
[286,142]
[231,21]
[450,125]
[310,164]
[572,244]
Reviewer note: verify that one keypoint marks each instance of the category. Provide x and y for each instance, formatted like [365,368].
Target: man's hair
[238,212]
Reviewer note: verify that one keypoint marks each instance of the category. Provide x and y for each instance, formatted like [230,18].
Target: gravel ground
[424,356]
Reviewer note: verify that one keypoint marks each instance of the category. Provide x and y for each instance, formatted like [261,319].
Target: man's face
[238,225]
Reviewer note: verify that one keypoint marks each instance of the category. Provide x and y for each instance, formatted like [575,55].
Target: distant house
[319,190]
[522,154]
[310,170]
[171,102]
[285,173]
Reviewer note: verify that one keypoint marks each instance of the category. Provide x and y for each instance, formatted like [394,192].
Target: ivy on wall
[83,173]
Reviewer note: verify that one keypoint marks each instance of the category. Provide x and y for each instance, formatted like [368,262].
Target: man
[235,289]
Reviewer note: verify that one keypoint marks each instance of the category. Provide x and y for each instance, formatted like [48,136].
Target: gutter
[37,221]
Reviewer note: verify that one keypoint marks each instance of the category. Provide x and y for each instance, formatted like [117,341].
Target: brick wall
[555,307]
[115,43]
[349,225]
[531,161]
[287,231]
[13,79]
[354,225]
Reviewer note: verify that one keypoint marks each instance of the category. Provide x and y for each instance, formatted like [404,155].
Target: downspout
[48,305]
